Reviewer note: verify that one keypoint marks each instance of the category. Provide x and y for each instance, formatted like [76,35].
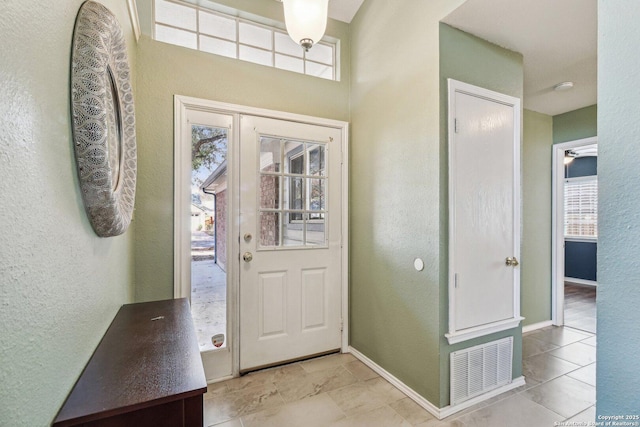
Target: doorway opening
[223,230]
[575,234]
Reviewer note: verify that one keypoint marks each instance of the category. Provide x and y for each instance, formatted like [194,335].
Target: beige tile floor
[339,390]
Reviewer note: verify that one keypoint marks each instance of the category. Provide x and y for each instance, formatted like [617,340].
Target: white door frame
[557,226]
[454,86]
[182,265]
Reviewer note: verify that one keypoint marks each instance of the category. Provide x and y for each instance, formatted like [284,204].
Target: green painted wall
[60,284]
[472,60]
[535,270]
[540,132]
[164,71]
[618,365]
[395,188]
[577,124]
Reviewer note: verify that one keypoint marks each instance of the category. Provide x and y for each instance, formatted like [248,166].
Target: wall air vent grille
[477,370]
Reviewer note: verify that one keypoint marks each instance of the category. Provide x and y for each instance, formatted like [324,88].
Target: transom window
[209,31]
[581,207]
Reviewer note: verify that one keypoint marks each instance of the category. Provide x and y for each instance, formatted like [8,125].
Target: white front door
[290,241]
[484,201]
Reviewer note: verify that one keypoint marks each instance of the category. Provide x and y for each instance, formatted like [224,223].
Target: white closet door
[484,211]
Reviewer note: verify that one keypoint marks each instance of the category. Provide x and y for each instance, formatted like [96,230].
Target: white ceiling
[557,38]
[558,41]
[344,10]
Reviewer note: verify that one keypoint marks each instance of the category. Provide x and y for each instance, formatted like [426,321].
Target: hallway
[580,307]
[339,390]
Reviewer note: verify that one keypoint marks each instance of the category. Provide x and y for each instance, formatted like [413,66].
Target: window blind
[581,207]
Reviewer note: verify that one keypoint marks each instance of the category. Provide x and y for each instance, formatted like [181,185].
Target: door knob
[512,261]
[247,257]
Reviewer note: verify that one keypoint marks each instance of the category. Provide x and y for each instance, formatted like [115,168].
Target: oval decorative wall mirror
[103,120]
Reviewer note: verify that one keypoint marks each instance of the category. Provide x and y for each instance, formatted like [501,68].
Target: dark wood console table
[146,371]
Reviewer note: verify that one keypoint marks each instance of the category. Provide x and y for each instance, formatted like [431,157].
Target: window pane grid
[292,171]
[198,29]
[217,32]
[163,25]
[237,38]
[273,49]
[176,14]
[581,208]
[256,47]
[294,175]
[176,36]
[256,36]
[293,210]
[217,26]
[256,55]
[217,46]
[319,63]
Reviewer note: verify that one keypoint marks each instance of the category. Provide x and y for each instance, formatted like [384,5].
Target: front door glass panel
[292,193]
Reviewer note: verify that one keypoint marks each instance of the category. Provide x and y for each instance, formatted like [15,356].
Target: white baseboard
[536,326]
[430,407]
[219,380]
[450,410]
[439,413]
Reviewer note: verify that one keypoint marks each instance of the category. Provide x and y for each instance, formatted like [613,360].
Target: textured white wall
[60,285]
[618,365]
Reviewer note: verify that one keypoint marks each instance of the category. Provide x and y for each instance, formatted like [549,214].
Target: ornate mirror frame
[103,120]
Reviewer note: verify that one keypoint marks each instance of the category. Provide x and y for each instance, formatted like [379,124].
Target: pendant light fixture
[306,20]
